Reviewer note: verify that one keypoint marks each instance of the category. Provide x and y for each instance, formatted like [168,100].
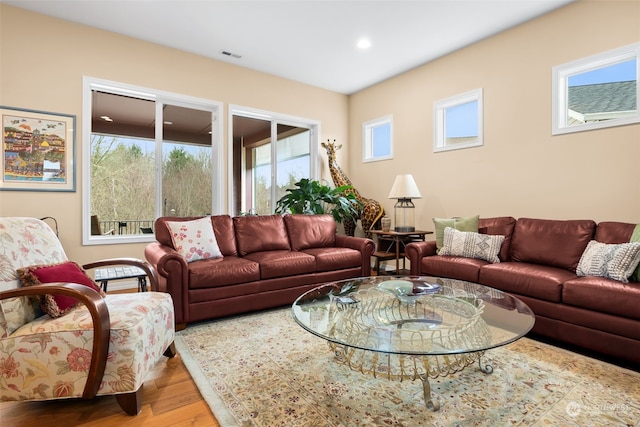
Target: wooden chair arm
[135,262]
[99,315]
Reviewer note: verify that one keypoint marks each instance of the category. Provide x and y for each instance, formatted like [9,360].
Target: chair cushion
[67,272]
[57,350]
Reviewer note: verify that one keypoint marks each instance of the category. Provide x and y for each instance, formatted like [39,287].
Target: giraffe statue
[370,211]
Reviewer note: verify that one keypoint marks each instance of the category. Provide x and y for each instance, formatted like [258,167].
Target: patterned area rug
[264,370]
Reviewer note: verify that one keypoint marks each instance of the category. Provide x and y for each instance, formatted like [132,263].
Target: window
[262,170]
[145,154]
[596,92]
[458,122]
[377,138]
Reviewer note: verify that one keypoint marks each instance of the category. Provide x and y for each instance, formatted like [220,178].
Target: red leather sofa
[267,261]
[538,262]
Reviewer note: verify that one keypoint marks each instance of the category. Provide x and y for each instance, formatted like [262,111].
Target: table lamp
[404,189]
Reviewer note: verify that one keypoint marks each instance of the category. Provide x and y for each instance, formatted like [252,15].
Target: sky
[621,72]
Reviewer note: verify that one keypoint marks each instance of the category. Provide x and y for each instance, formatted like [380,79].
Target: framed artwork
[38,150]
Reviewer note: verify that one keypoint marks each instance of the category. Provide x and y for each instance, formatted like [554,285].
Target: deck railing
[127,226]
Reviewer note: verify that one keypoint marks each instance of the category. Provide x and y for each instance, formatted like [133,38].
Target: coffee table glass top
[413,315]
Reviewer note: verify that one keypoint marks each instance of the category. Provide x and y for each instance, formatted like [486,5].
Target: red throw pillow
[66,272]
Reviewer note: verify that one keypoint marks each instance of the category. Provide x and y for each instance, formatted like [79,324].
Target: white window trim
[367,142]
[90,83]
[439,125]
[560,89]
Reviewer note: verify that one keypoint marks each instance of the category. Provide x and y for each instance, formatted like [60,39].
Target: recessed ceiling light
[167,122]
[364,44]
[106,118]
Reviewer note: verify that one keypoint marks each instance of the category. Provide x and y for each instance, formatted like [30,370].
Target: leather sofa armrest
[415,251]
[364,245]
[173,276]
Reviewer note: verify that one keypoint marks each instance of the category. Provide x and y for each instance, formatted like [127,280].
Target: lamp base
[404,229]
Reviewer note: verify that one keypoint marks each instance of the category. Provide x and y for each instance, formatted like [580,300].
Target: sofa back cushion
[260,233]
[310,231]
[551,242]
[499,226]
[222,228]
[614,232]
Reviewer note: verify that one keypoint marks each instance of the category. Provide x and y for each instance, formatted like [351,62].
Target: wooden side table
[391,244]
[103,275]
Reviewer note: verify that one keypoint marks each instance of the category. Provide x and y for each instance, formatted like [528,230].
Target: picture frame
[38,150]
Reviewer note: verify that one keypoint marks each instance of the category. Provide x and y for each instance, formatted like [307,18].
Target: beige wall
[43,61]
[522,170]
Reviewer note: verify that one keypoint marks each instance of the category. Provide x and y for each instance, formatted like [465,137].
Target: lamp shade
[404,187]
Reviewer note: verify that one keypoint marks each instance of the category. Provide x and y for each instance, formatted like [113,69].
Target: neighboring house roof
[602,101]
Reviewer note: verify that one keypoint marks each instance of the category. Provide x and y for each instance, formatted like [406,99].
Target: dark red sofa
[538,262]
[268,261]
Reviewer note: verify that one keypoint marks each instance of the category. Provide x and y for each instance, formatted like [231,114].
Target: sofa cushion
[222,228]
[335,258]
[503,226]
[461,224]
[218,272]
[282,263]
[452,266]
[535,281]
[614,232]
[194,240]
[471,245]
[551,242]
[614,261]
[260,233]
[603,295]
[310,231]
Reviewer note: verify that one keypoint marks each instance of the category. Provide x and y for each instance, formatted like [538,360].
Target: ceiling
[310,41]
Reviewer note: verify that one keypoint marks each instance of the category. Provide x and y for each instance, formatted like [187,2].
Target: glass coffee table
[408,328]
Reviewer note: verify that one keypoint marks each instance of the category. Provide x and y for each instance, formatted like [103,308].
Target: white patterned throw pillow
[195,239]
[471,245]
[614,261]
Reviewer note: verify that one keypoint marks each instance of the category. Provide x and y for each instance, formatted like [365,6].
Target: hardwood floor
[170,398]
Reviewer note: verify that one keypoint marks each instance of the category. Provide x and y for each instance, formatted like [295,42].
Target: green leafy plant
[313,197]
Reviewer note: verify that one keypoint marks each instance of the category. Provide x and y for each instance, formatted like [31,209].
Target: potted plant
[313,197]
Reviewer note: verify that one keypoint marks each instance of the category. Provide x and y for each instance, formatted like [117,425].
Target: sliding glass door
[263,169]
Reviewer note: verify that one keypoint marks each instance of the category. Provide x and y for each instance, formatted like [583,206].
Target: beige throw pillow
[471,245]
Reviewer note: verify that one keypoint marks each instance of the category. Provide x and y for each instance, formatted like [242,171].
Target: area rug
[264,370]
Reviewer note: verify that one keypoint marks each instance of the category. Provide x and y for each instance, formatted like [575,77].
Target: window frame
[560,88]
[368,140]
[160,97]
[440,125]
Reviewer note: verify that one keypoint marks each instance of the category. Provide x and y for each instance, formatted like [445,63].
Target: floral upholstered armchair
[60,337]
